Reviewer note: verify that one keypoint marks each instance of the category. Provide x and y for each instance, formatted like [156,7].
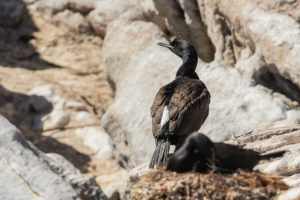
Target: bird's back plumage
[188,106]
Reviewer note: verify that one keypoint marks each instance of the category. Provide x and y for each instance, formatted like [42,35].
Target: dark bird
[180,107]
[196,154]
[199,153]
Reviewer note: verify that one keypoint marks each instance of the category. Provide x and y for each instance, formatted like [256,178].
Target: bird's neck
[190,60]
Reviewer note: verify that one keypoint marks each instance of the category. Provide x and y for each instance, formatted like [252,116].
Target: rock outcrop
[27,173]
[282,135]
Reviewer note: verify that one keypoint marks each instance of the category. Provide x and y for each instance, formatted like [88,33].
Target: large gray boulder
[27,173]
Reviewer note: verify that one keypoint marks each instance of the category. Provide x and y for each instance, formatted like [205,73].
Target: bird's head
[179,46]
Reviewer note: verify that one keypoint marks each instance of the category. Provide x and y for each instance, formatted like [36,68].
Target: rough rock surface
[106,12]
[282,135]
[74,20]
[240,30]
[183,19]
[28,174]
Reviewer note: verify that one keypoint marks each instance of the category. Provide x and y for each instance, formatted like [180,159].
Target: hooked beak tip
[164,45]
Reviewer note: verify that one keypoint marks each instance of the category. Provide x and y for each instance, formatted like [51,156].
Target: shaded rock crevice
[184,20]
[270,77]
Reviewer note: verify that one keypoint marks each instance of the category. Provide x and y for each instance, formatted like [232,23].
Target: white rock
[291,194]
[96,139]
[55,120]
[293,181]
[58,102]
[53,6]
[107,11]
[85,118]
[74,20]
[75,105]
[44,90]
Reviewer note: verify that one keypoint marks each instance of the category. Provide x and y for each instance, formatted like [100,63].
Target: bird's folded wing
[158,107]
[187,96]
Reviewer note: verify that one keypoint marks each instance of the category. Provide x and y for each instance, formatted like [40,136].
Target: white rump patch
[165,116]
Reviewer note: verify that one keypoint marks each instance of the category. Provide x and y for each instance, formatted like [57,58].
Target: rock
[11,12]
[135,64]
[27,173]
[77,106]
[281,135]
[83,7]
[152,14]
[241,30]
[74,20]
[56,117]
[139,171]
[43,90]
[293,181]
[37,104]
[112,193]
[291,194]
[85,117]
[85,186]
[96,139]
[55,120]
[114,181]
[183,19]
[107,11]
[53,6]
[237,31]
[56,6]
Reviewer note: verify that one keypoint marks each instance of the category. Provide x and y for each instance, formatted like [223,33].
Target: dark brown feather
[188,106]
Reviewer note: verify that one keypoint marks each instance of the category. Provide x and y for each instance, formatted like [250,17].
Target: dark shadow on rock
[270,77]
[26,112]
[16,32]
[51,145]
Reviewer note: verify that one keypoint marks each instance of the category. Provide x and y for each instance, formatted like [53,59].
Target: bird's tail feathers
[155,155]
[160,154]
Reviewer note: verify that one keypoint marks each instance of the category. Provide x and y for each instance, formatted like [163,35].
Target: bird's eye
[174,43]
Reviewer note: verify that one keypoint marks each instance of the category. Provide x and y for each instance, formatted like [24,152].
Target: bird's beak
[165,45]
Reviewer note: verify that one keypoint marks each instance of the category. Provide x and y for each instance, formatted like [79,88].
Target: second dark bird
[199,153]
[180,107]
